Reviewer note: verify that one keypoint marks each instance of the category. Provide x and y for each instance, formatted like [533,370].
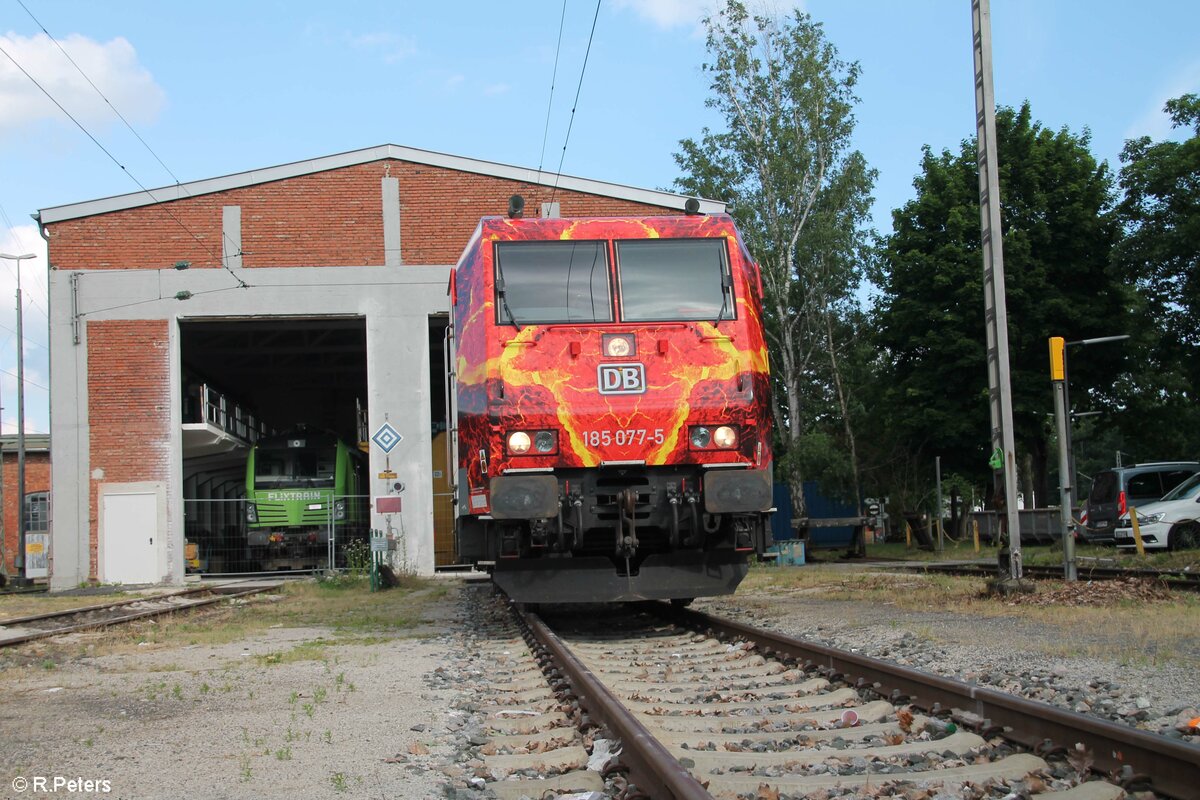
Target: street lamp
[1066,458]
[20,559]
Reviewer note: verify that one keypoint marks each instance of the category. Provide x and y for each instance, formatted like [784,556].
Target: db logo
[621,378]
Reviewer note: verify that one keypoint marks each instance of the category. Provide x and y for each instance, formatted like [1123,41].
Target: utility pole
[20,555]
[1004,456]
[1066,480]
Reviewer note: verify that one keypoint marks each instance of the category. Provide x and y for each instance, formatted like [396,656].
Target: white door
[130,538]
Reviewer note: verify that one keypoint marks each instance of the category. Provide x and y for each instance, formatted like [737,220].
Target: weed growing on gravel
[246,773]
[327,737]
[283,754]
[338,779]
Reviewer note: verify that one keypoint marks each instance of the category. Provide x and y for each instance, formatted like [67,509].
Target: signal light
[619,345]
[724,437]
[540,442]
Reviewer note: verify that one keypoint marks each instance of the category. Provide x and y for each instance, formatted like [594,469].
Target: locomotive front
[612,427]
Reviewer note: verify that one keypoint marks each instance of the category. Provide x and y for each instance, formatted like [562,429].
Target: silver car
[1172,523]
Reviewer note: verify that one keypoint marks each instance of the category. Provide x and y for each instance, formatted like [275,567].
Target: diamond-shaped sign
[386,438]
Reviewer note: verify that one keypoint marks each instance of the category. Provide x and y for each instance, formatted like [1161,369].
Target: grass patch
[1033,554]
[1133,632]
[347,606]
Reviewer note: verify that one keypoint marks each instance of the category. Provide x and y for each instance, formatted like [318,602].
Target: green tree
[1058,237]
[1160,254]
[798,191]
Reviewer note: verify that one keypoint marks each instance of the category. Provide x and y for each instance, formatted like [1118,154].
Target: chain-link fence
[273,534]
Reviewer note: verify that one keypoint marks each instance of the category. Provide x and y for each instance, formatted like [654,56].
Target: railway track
[704,707]
[17,630]
[1173,579]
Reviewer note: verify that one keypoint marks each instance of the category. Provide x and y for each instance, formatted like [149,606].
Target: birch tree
[798,191]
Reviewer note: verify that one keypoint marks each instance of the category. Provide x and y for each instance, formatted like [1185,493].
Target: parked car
[1172,522]
[1115,490]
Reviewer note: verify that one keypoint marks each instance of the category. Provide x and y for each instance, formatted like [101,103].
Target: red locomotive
[609,407]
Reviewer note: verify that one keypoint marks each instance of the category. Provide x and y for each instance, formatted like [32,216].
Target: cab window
[666,280]
[549,282]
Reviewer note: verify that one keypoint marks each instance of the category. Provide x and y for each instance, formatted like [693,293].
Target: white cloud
[668,14]
[112,66]
[18,241]
[494,89]
[1153,121]
[392,47]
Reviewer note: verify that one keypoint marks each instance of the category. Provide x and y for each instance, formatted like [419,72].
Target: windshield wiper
[726,286]
[504,297]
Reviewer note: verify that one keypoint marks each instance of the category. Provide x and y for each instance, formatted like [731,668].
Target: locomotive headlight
[619,345]
[339,509]
[519,442]
[544,441]
[251,513]
[701,437]
[725,437]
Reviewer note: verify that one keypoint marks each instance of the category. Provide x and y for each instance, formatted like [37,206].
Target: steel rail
[653,768]
[1171,767]
[66,612]
[1172,579]
[104,623]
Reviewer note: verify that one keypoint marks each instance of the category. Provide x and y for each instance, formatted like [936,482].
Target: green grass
[1135,632]
[1033,555]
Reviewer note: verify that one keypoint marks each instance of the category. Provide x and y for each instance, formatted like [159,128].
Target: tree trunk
[845,408]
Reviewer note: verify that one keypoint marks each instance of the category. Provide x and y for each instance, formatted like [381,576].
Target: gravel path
[1020,656]
[290,713]
[297,712]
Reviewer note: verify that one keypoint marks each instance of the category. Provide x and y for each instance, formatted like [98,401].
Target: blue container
[818,506]
[791,552]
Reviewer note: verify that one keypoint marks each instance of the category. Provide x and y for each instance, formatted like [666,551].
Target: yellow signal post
[1058,363]
[975,527]
[1137,531]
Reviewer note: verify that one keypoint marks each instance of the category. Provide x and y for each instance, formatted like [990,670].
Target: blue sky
[222,87]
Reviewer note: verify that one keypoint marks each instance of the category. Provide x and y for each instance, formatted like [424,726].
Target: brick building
[37,484]
[307,292]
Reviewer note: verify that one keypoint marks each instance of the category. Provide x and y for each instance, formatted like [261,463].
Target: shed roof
[238,180]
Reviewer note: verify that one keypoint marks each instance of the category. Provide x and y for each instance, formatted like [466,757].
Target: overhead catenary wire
[159,203]
[575,105]
[120,116]
[553,80]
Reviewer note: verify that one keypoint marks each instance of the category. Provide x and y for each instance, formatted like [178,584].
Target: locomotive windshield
[664,280]
[546,282]
[288,469]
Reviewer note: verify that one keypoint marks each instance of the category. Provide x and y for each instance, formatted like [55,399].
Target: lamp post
[20,559]
[1066,458]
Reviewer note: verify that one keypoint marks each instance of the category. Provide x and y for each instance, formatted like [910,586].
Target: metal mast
[1004,460]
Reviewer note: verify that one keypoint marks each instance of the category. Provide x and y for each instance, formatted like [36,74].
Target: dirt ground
[281,713]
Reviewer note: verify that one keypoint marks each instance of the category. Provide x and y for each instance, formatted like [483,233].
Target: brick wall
[331,218]
[37,479]
[128,407]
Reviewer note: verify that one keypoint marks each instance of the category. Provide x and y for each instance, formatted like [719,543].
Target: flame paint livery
[545,377]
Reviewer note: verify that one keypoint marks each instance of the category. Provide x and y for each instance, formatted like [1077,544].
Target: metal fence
[1038,525]
[219,539]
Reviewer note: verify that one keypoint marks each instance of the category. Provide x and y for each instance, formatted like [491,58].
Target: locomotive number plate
[624,437]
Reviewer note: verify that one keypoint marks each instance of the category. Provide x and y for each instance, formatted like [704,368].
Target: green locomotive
[302,487]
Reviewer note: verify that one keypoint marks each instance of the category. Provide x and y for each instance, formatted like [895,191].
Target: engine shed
[189,322]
